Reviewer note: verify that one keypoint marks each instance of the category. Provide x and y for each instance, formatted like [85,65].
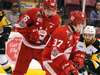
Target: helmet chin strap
[72,28]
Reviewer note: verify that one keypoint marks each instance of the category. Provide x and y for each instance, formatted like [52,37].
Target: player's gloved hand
[81,70]
[33,34]
[88,57]
[5,36]
[68,67]
[79,59]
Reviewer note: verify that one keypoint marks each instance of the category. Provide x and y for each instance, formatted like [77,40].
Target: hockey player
[5,29]
[60,56]
[35,25]
[91,46]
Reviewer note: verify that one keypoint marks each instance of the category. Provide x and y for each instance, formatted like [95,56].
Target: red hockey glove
[68,67]
[33,34]
[79,59]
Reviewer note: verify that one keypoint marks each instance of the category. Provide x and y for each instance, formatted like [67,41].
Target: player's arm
[23,27]
[78,57]
[22,24]
[6,25]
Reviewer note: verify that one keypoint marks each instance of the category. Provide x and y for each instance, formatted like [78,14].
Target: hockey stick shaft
[42,42]
[89,70]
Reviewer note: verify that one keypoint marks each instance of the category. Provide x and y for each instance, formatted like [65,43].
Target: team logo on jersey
[55,52]
[40,19]
[80,46]
[42,34]
[22,23]
[38,15]
[69,35]
[98,56]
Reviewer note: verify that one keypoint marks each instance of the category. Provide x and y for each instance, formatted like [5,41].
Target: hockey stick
[89,70]
[42,41]
[75,67]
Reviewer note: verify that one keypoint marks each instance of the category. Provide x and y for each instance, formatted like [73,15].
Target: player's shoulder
[60,33]
[96,44]
[61,30]
[55,16]
[55,19]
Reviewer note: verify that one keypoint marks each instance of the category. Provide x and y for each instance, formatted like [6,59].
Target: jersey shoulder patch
[55,52]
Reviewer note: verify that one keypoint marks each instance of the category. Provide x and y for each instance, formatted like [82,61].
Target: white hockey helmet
[89,30]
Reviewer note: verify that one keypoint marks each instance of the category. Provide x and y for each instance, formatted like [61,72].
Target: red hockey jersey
[34,17]
[61,45]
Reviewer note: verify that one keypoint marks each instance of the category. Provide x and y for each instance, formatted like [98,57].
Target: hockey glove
[81,70]
[68,67]
[33,34]
[5,36]
[88,56]
[6,33]
[79,59]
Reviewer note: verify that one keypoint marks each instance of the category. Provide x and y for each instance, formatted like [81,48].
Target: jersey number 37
[57,42]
